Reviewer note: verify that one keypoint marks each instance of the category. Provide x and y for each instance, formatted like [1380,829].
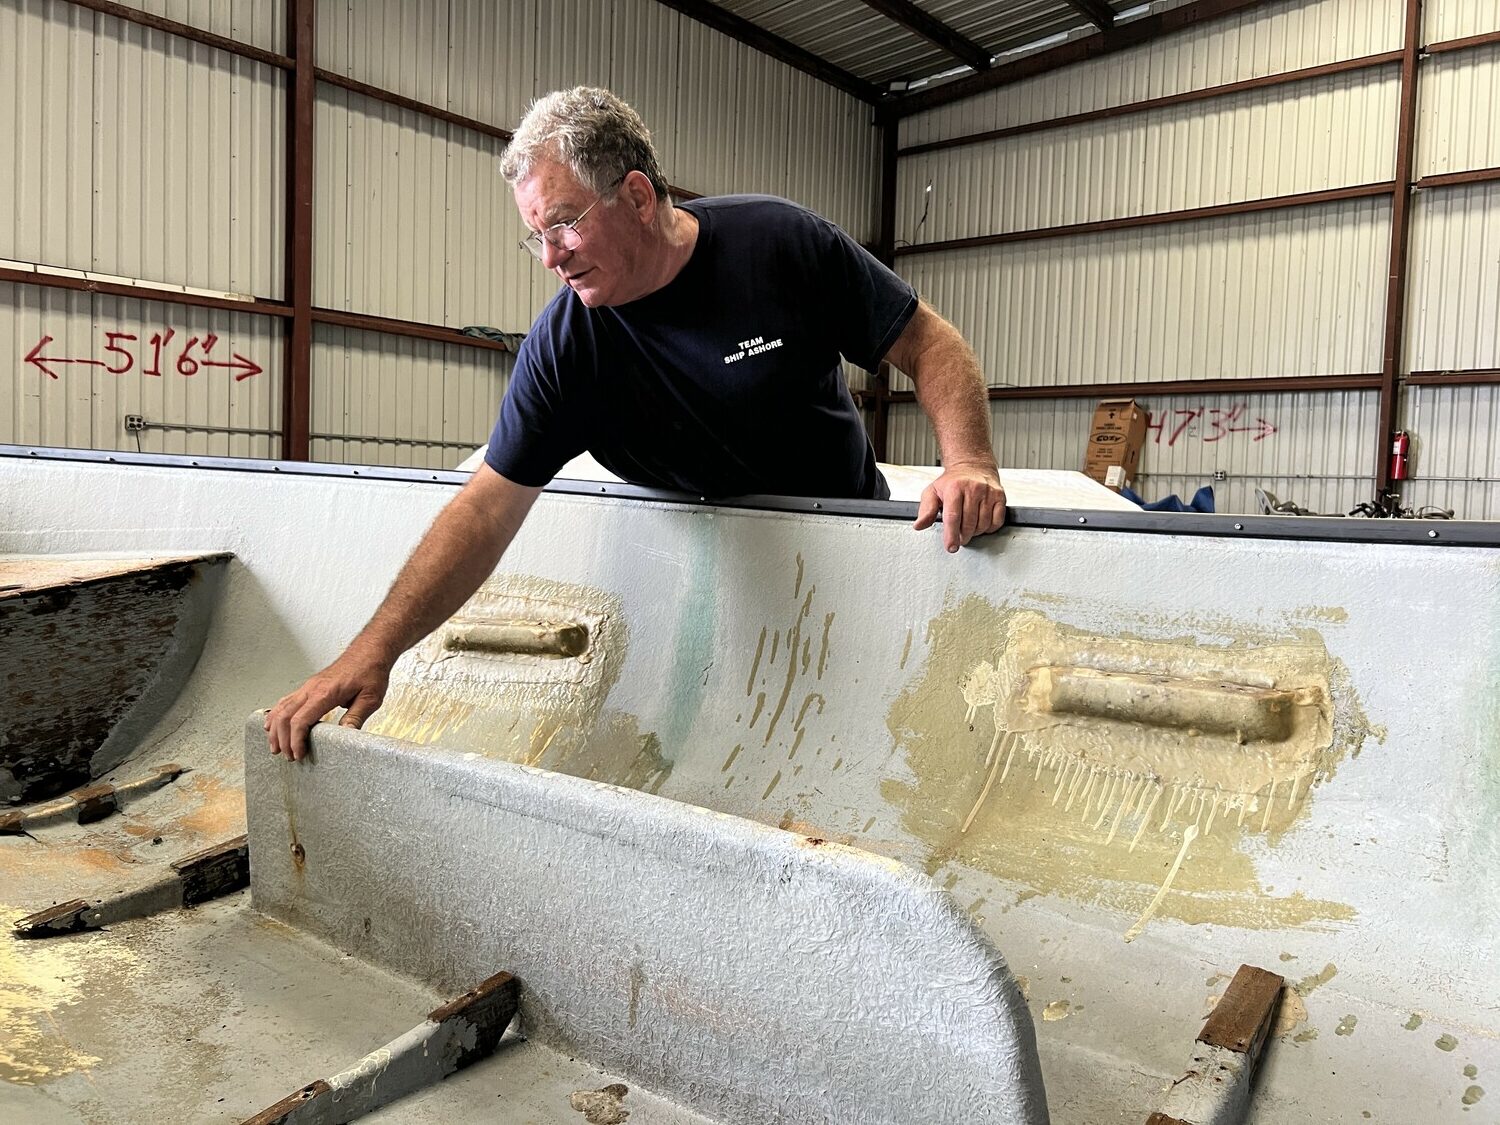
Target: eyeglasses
[563,236]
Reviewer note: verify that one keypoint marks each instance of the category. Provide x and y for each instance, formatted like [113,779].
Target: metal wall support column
[296,388]
[1395,295]
[885,246]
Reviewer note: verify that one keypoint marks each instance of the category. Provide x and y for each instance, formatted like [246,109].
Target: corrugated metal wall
[1298,447]
[1180,157]
[1291,292]
[1454,304]
[139,155]
[1267,39]
[1457,19]
[1456,451]
[142,155]
[384,400]
[1277,293]
[97,359]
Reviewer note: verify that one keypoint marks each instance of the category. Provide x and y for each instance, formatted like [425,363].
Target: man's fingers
[970,506]
[302,722]
[364,705]
[927,510]
[953,518]
[974,512]
[280,716]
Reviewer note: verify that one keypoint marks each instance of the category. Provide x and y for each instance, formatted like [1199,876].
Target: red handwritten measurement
[1218,424]
[123,357]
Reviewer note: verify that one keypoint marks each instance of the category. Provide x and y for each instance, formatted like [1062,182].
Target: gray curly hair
[593,132]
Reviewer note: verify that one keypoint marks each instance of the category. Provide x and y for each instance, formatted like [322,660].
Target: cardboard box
[1115,441]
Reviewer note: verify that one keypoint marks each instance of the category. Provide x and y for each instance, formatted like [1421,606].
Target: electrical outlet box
[1220,474]
[135,423]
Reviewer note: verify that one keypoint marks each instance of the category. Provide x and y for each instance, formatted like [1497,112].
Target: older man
[692,347]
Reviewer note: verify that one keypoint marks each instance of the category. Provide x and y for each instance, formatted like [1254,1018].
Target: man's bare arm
[458,552]
[951,390]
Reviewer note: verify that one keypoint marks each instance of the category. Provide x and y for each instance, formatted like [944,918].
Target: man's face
[603,268]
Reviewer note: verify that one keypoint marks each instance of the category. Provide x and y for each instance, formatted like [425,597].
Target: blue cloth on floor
[1203,501]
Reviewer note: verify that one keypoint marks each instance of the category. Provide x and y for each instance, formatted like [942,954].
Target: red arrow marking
[37,359]
[1261,430]
[247,367]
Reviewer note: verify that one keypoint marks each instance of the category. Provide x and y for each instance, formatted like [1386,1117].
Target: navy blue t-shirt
[724,382]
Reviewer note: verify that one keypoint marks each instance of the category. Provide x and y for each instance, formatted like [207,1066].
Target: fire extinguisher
[1400,455]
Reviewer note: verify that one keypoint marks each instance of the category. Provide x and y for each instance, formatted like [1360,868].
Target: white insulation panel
[1292,292]
[112,356]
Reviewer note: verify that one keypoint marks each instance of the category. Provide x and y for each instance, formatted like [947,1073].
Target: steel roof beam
[935,31]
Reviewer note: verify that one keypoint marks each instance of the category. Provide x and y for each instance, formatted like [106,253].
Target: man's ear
[642,196]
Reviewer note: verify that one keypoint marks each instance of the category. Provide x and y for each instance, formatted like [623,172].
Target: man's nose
[552,255]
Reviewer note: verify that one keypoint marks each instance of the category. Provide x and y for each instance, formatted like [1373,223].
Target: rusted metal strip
[286,1110]
[296,388]
[1262,384]
[1128,109]
[64,918]
[890,131]
[391,326]
[1458,179]
[391,98]
[1467,43]
[752,35]
[253,306]
[91,803]
[211,873]
[1396,278]
[1472,378]
[1240,1021]
[921,23]
[185,31]
[1157,218]
[1216,1085]
[459,1033]
[1097,12]
[214,872]
[1119,38]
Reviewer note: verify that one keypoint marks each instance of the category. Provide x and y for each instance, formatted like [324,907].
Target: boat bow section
[96,649]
